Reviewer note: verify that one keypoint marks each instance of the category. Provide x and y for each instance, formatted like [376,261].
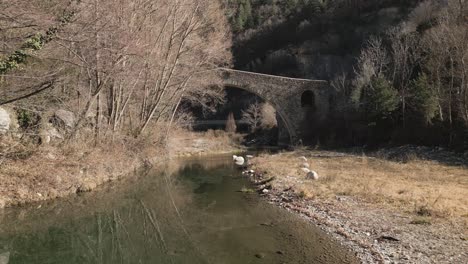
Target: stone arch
[284,94]
[284,117]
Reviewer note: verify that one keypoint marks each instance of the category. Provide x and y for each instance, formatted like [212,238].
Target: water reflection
[191,213]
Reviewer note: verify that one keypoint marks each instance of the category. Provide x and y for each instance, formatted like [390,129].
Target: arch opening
[259,121]
[308,100]
[285,135]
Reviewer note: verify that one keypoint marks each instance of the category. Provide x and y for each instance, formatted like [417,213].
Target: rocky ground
[376,232]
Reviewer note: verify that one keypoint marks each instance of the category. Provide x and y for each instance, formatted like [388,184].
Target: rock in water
[4,258]
[312,175]
[239,161]
[5,121]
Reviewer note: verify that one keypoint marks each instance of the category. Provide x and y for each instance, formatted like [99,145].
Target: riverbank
[387,208]
[32,174]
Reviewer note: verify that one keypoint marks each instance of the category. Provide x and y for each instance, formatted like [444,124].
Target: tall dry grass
[422,187]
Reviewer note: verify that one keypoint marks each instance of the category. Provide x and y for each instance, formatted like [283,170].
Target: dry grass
[34,173]
[421,187]
[187,143]
[56,170]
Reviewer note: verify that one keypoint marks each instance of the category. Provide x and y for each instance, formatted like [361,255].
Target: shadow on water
[190,213]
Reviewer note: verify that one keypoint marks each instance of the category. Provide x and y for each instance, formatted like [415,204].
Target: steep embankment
[310,41]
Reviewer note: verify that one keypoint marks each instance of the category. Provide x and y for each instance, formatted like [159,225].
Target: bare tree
[253,116]
[373,61]
[268,116]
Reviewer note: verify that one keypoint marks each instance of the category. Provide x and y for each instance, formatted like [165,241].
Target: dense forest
[398,68]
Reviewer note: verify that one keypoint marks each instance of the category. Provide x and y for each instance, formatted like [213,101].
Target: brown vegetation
[120,67]
[419,187]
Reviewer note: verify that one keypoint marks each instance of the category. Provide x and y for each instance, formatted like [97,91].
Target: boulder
[5,121]
[239,161]
[312,175]
[64,118]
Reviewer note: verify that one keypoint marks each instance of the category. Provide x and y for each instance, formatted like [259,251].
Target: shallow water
[192,212]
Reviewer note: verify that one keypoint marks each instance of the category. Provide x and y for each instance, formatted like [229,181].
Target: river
[189,212]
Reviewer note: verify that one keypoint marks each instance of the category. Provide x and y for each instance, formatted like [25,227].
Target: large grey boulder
[64,118]
[5,121]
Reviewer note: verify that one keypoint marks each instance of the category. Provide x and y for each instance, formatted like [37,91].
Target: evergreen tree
[249,20]
[241,18]
[381,99]
[423,99]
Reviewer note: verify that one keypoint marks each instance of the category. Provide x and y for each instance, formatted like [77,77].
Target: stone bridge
[301,104]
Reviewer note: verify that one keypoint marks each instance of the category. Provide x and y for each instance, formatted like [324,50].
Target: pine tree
[423,99]
[241,18]
[381,99]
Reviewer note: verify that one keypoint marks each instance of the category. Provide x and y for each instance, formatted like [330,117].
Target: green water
[192,212]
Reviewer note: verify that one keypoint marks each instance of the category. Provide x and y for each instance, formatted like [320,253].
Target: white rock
[239,161]
[303,158]
[5,121]
[312,175]
[251,171]
[306,170]
[4,258]
[305,165]
[249,156]
[265,191]
[234,157]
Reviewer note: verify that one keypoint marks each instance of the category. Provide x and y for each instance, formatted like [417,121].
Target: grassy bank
[414,211]
[416,186]
[36,173]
